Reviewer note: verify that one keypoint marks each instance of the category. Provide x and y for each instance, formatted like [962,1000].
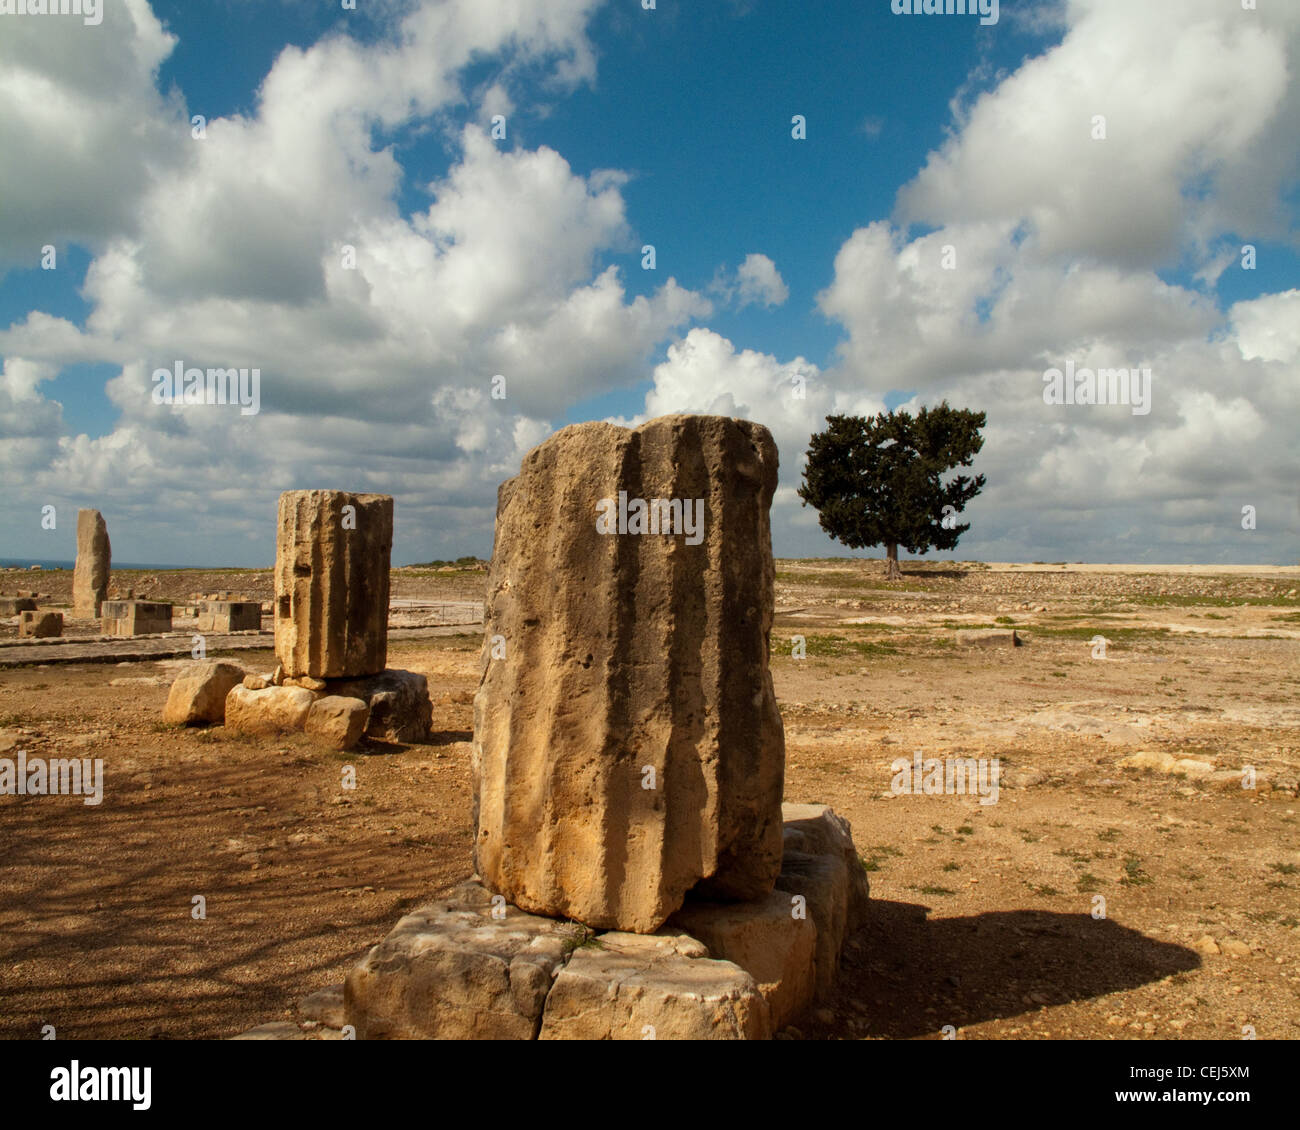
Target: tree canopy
[878,481]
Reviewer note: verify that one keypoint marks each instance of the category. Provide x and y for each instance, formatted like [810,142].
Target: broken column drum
[627,743]
[331,583]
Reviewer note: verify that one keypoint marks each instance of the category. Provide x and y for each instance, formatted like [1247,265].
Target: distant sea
[28,562]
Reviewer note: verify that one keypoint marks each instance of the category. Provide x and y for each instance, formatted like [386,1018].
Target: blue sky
[669,127]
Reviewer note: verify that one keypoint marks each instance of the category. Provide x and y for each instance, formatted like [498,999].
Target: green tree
[878,481]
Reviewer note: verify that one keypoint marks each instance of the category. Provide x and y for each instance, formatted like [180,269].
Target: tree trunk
[893,572]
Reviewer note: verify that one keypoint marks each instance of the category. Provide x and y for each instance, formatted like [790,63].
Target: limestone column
[627,743]
[332,556]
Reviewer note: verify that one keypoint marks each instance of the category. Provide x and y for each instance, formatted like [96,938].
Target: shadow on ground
[915,974]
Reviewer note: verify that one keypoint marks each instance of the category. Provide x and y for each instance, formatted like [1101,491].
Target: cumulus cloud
[756,282]
[1046,248]
[276,243]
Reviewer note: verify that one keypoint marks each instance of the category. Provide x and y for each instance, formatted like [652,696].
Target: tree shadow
[915,974]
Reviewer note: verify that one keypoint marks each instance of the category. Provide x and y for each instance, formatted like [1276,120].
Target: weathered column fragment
[627,743]
[331,583]
[94,560]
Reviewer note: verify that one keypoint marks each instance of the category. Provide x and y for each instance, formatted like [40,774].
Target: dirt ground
[985,922]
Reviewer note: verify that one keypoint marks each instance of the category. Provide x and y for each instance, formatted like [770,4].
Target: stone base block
[13,605]
[400,710]
[40,625]
[135,618]
[229,616]
[453,971]
[653,987]
[767,939]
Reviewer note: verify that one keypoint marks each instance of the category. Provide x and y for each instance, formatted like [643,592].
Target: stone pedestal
[627,743]
[229,616]
[135,618]
[40,625]
[331,583]
[94,560]
[472,966]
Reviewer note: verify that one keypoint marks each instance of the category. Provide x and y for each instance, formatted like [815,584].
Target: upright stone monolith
[627,743]
[331,583]
[94,562]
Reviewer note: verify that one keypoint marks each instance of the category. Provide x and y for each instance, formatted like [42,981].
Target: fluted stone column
[627,743]
[332,556]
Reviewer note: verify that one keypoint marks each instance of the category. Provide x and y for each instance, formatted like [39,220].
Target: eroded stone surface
[613,660]
[636,987]
[331,582]
[452,971]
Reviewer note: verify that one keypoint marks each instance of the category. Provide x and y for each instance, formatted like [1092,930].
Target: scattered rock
[199,693]
[270,711]
[970,637]
[325,1006]
[337,721]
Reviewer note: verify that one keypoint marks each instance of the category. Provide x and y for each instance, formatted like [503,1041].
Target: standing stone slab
[631,658]
[454,971]
[331,583]
[94,560]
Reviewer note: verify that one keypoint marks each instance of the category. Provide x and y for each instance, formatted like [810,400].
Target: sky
[382,208]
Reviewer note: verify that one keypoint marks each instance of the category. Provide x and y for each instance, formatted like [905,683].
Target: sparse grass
[931,889]
[965,830]
[1285,868]
[1134,876]
[829,646]
[952,866]
[1046,890]
[1109,836]
[576,935]
[876,854]
[1087,883]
